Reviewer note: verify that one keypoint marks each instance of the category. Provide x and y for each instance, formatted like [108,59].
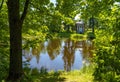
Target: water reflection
[58,54]
[53,48]
[37,50]
[68,57]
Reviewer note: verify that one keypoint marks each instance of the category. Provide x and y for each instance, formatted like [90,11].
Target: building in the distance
[80,27]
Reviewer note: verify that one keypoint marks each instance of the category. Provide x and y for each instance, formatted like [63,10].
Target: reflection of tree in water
[68,56]
[26,53]
[53,48]
[90,48]
[37,50]
[86,47]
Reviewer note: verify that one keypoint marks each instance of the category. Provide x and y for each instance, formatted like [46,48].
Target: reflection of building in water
[53,48]
[68,56]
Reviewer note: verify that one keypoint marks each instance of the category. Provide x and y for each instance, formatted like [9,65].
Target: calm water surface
[59,54]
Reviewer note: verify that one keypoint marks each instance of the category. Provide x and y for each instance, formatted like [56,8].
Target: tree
[107,52]
[68,7]
[15,26]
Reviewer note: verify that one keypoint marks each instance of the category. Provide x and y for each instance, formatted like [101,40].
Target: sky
[53,1]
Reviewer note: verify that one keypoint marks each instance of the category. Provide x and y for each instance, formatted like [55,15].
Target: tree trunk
[15,26]
[15,68]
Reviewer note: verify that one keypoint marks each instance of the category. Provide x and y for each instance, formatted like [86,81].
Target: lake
[58,54]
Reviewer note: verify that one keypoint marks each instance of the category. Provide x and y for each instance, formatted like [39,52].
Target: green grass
[78,37]
[71,35]
[83,75]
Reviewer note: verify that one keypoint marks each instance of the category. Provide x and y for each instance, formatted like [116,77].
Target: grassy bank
[76,36]
[83,75]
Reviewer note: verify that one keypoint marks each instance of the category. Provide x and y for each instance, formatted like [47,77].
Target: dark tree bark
[15,26]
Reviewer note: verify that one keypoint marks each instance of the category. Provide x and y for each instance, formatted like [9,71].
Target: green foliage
[107,48]
[32,38]
[68,21]
[90,35]
[56,22]
[4,43]
[65,34]
[4,61]
[4,31]
[1,4]
[107,60]
[67,7]
[105,70]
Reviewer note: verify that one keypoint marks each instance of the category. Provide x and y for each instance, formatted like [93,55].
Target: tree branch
[25,11]
[1,4]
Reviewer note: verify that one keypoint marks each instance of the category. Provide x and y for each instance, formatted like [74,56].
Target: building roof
[80,22]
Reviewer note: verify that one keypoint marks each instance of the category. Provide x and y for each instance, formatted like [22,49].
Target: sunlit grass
[83,75]
[78,37]
[77,76]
